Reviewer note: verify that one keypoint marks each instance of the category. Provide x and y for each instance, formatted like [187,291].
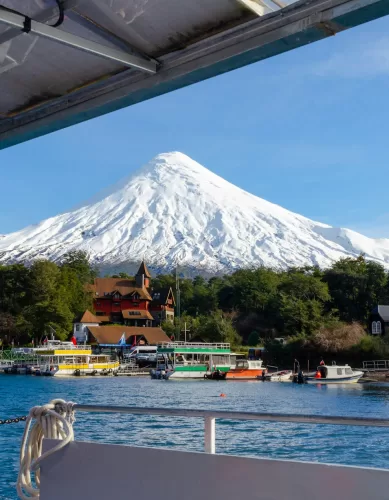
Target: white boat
[64,358]
[281,376]
[226,477]
[334,374]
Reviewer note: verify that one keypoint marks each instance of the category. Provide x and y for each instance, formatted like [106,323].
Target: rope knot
[39,411]
[53,421]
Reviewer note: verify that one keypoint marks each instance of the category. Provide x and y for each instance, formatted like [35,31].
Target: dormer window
[116,296]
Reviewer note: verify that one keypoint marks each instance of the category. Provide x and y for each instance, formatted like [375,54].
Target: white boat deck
[199,475]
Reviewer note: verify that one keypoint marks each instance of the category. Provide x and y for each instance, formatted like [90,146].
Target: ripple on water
[332,444]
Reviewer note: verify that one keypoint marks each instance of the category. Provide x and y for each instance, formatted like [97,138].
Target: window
[77,328]
[349,371]
[134,313]
[116,303]
[156,296]
[339,371]
[376,327]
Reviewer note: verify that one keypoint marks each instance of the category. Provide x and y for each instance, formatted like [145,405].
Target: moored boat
[64,359]
[281,376]
[334,374]
[187,360]
[246,369]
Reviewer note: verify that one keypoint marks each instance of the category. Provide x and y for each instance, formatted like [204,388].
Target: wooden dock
[132,373]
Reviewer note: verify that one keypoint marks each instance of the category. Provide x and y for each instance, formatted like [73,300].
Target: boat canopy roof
[66,61]
[194,347]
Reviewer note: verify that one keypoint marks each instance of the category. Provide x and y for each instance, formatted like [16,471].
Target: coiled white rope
[54,421]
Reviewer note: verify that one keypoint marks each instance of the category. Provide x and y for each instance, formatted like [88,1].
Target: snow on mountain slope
[175,212]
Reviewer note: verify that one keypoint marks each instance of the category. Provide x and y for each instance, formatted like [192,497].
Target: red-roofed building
[162,305]
[129,301]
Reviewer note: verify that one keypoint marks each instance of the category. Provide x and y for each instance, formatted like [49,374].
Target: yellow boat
[58,358]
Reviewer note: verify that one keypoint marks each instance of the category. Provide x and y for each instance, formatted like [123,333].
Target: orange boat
[246,369]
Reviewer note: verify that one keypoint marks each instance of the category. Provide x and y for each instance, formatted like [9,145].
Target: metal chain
[13,420]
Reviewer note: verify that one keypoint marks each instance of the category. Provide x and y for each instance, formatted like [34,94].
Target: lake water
[332,444]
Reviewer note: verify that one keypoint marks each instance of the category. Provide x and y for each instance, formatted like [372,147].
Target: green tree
[356,286]
[301,316]
[169,328]
[78,260]
[218,328]
[302,298]
[48,301]
[13,285]
[253,339]
[249,290]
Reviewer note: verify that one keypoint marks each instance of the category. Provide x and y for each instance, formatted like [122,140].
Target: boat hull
[352,379]
[184,373]
[68,370]
[235,374]
[281,378]
[180,375]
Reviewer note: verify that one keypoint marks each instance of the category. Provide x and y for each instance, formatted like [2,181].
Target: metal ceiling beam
[97,9]
[255,6]
[77,42]
[295,26]
[279,3]
[42,17]
[102,33]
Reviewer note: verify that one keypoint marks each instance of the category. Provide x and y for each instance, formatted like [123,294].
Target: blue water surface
[322,443]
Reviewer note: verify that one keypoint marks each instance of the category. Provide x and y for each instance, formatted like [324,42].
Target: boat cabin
[248,364]
[194,356]
[335,371]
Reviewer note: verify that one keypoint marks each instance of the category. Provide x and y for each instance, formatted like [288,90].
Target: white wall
[81,335]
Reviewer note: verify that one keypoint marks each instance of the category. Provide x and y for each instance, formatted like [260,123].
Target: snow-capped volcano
[173,211]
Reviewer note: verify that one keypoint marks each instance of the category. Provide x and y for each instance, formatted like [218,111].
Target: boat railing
[63,347]
[377,365]
[194,345]
[209,417]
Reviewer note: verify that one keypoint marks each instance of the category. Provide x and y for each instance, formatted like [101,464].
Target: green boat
[186,360]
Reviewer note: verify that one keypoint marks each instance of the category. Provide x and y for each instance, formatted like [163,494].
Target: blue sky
[307,130]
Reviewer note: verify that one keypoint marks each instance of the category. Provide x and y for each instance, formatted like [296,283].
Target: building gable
[143,270]
[163,296]
[106,287]
[112,334]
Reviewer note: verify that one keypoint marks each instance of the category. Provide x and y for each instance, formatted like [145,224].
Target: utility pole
[178,306]
[185,331]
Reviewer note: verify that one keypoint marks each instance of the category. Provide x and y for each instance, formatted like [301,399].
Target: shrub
[337,337]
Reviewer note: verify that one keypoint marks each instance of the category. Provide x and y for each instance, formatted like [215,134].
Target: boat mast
[178,306]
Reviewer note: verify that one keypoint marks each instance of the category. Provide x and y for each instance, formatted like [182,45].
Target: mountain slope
[174,211]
